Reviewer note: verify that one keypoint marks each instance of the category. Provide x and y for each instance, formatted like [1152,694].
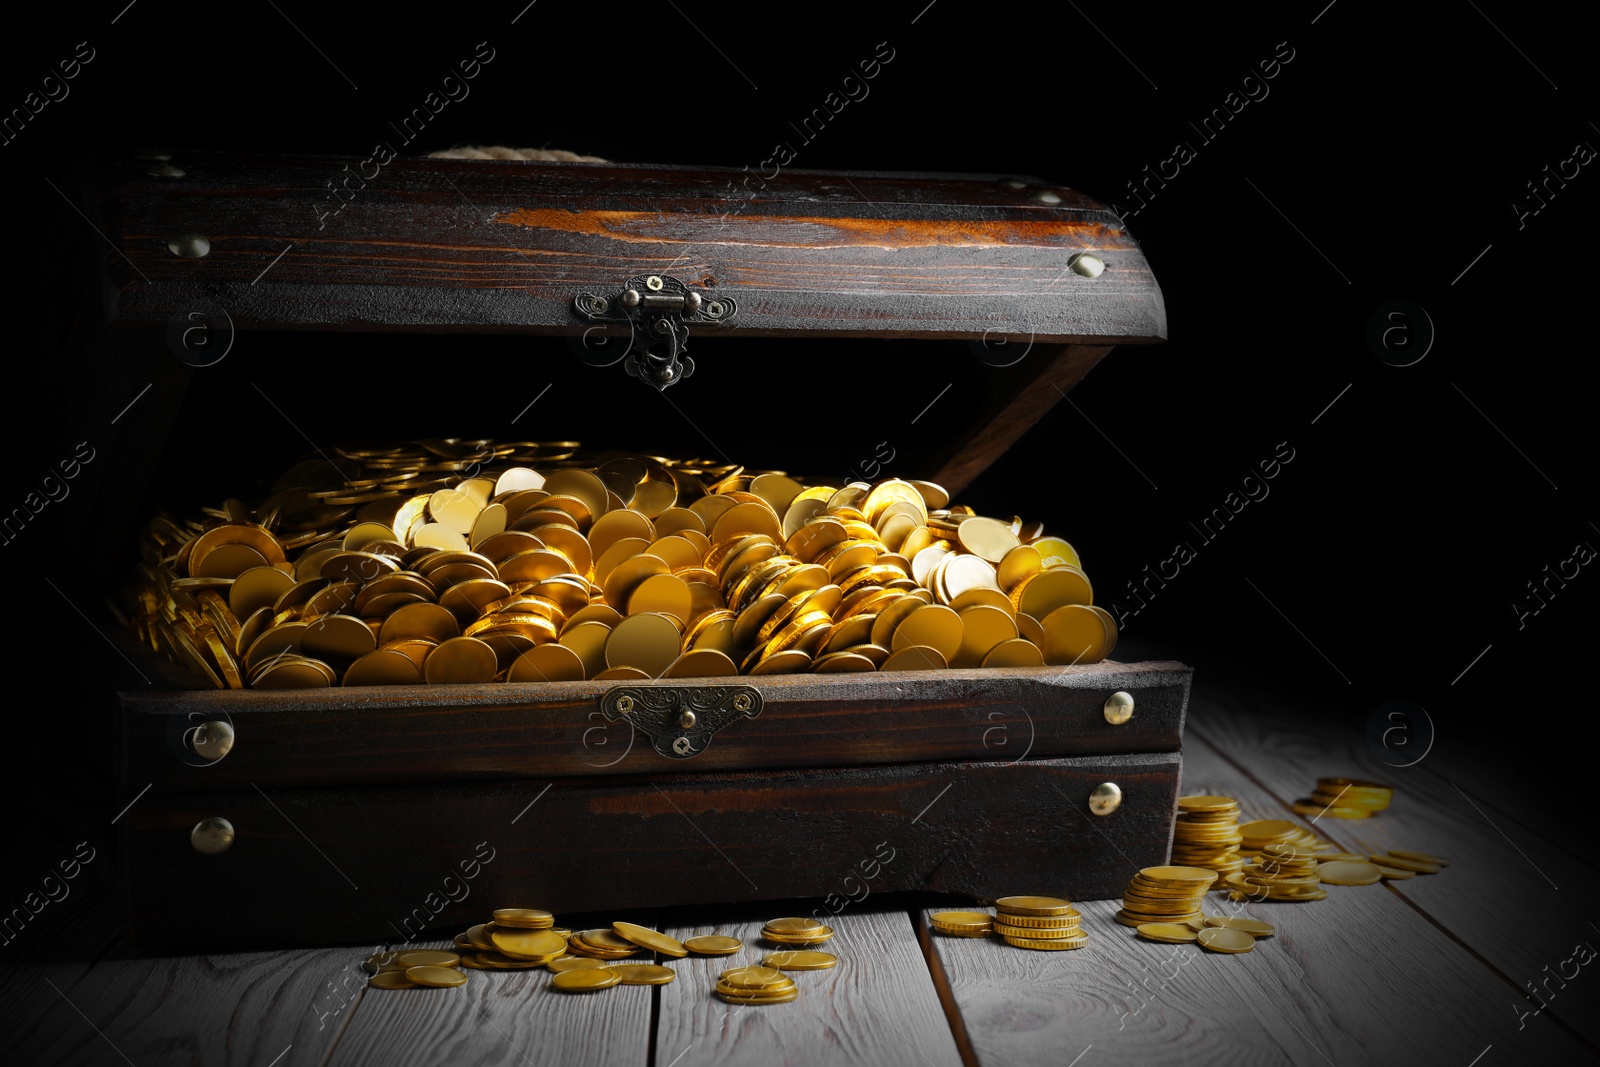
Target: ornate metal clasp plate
[658,311]
[681,719]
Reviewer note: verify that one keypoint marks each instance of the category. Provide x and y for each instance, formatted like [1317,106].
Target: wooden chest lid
[505,246]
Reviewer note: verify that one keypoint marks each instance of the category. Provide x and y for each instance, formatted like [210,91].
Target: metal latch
[681,719]
[658,311]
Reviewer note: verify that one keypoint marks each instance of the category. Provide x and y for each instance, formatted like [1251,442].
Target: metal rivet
[630,298]
[211,836]
[715,309]
[741,702]
[1087,264]
[166,170]
[691,301]
[653,283]
[681,746]
[1045,196]
[686,720]
[211,740]
[1105,799]
[624,704]
[1119,708]
[188,245]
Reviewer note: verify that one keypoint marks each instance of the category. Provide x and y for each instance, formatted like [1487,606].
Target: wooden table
[1451,968]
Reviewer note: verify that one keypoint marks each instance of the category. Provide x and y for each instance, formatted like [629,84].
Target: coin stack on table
[451,561]
[1206,834]
[1345,798]
[1165,895]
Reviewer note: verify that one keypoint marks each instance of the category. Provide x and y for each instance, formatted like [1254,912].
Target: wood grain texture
[470,246]
[279,1008]
[1496,868]
[538,730]
[384,861]
[510,1017]
[877,1006]
[1358,978]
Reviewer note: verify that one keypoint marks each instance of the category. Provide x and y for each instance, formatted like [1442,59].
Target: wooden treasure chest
[839,328]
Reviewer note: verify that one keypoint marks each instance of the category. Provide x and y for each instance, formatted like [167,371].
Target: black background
[1381,165]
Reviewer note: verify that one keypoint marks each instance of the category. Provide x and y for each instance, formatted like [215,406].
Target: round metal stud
[692,301]
[189,245]
[1087,264]
[211,740]
[1105,799]
[211,836]
[630,298]
[686,720]
[1045,196]
[653,283]
[1119,708]
[166,170]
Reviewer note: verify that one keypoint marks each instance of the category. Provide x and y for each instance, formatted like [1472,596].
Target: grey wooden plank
[256,1008]
[1492,877]
[510,1017]
[1358,978]
[878,1006]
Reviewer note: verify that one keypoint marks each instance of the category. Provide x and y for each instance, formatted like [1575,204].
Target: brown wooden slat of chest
[373,860]
[279,1008]
[877,1006]
[1357,978]
[1487,880]
[498,1017]
[458,733]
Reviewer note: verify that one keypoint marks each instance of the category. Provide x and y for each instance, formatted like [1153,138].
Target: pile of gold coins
[1206,834]
[415,969]
[1044,924]
[1170,894]
[1230,934]
[1281,871]
[1259,833]
[1345,798]
[470,561]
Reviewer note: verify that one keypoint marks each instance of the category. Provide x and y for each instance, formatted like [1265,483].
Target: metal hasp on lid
[657,310]
[681,719]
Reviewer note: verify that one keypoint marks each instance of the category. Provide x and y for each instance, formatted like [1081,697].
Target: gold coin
[391,980]
[983,628]
[1027,905]
[547,663]
[988,539]
[662,593]
[526,944]
[648,642]
[1395,874]
[1057,945]
[1253,927]
[1405,864]
[1202,803]
[800,960]
[754,978]
[795,925]
[713,945]
[651,939]
[1073,634]
[574,963]
[1017,566]
[962,918]
[1307,806]
[1343,872]
[1170,933]
[1017,652]
[915,658]
[1056,552]
[734,998]
[608,939]
[931,626]
[701,663]
[1068,919]
[523,918]
[586,981]
[428,958]
[1005,929]
[643,973]
[436,976]
[460,660]
[1045,592]
[1225,939]
[1420,857]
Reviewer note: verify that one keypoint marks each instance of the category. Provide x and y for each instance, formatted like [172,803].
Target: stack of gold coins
[796,931]
[1281,872]
[446,561]
[1206,834]
[1165,895]
[414,969]
[1260,833]
[1345,798]
[963,923]
[1044,924]
[756,985]
[601,944]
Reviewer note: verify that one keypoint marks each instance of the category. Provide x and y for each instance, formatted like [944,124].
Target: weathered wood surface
[1498,868]
[471,246]
[368,862]
[498,1018]
[877,1006]
[447,733]
[1358,978]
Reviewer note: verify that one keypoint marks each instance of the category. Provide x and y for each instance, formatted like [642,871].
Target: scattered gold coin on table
[586,981]
[796,931]
[1414,862]
[963,923]
[651,939]
[800,960]
[713,945]
[451,561]
[1345,872]
[1172,933]
[1225,939]
[391,980]
[643,973]
[436,976]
